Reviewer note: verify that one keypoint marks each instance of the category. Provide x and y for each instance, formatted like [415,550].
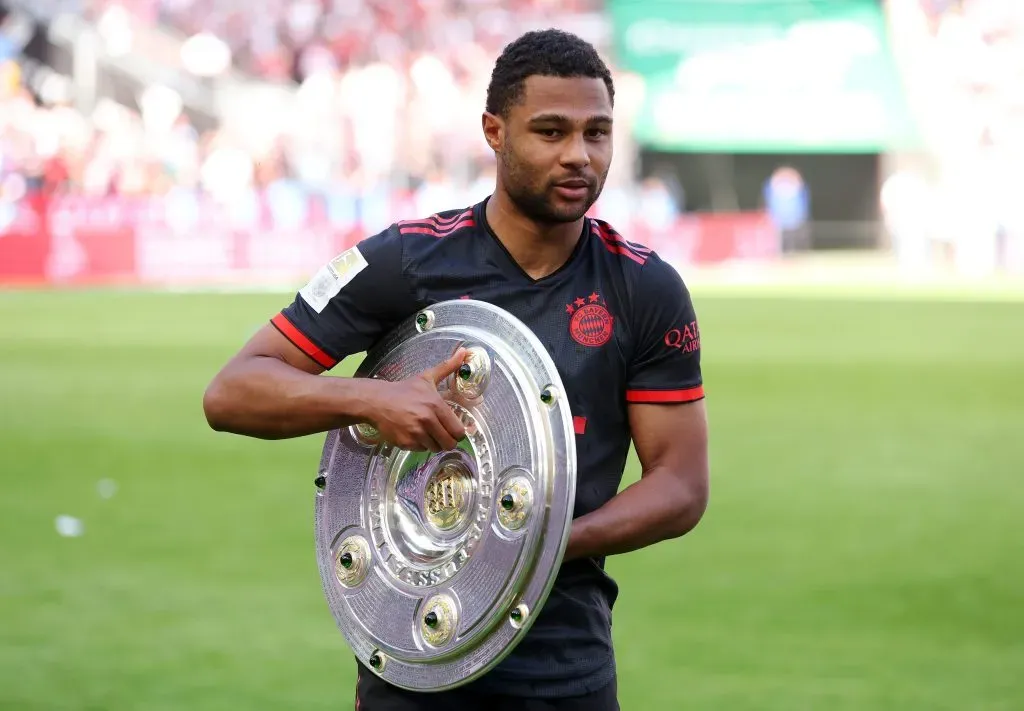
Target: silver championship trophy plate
[434,564]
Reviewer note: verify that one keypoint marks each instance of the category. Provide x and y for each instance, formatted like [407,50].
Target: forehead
[565,96]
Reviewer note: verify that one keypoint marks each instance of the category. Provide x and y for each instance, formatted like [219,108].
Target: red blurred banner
[24,240]
[77,240]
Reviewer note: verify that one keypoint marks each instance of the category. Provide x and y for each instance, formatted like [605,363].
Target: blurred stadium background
[840,181]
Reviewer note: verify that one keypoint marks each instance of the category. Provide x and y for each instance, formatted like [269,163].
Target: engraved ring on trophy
[434,564]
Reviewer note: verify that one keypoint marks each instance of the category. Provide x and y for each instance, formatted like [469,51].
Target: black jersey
[618,323]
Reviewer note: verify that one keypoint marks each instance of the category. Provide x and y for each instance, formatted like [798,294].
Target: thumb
[442,370]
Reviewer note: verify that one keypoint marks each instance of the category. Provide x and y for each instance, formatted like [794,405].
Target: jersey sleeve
[665,363]
[350,302]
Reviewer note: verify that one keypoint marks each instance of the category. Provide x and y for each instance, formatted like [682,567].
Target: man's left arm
[668,421]
[671,495]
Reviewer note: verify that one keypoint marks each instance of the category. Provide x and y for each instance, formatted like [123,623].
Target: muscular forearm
[266,398]
[658,507]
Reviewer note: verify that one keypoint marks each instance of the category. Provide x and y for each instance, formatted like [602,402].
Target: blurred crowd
[384,99]
[55,148]
[971,63]
[294,39]
[963,65]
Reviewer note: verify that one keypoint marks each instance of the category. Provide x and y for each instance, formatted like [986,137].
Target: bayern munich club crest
[590,324]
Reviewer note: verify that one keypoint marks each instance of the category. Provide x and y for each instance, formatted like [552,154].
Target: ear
[494,130]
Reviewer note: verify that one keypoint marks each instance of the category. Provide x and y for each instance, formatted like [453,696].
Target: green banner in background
[762,75]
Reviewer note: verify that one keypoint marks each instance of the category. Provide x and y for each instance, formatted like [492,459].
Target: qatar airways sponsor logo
[685,339]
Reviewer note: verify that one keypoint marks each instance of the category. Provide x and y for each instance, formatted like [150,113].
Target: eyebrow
[561,118]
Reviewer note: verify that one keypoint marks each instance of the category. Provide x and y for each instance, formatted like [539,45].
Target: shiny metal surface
[433,564]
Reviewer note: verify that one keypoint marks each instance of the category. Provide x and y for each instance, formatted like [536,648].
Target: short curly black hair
[551,53]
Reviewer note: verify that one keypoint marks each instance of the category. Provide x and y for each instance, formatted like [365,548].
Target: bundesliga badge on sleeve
[433,565]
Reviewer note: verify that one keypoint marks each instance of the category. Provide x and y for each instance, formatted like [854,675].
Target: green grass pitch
[863,550]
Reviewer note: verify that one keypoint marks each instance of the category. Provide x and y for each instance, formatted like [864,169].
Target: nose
[575,154]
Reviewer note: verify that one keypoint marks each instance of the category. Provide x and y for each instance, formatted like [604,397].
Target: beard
[536,200]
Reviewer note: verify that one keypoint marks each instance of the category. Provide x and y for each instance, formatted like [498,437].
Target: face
[555,147]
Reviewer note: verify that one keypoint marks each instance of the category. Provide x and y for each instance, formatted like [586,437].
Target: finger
[440,436]
[451,422]
[420,442]
[442,370]
[422,436]
[429,443]
[415,444]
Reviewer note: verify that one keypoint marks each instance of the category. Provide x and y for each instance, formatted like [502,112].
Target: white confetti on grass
[106,488]
[69,526]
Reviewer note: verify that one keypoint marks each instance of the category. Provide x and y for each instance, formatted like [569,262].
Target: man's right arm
[273,388]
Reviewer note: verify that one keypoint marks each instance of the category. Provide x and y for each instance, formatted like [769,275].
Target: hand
[410,414]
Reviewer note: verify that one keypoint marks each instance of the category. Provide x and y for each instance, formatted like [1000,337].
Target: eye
[597,133]
[549,132]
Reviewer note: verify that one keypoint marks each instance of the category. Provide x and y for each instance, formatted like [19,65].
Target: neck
[540,249]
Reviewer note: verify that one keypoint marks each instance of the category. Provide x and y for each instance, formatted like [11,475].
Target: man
[787,200]
[617,321]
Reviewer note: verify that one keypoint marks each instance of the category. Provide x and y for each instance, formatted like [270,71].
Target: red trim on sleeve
[687,395]
[301,341]
[579,424]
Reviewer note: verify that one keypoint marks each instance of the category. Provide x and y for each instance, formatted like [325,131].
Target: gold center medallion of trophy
[446,496]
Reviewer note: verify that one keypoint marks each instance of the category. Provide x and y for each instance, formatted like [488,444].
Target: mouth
[573,189]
